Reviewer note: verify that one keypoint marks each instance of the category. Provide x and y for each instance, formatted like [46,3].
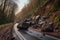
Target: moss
[57,19]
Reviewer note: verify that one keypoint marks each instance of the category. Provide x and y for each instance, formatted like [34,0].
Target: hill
[49,8]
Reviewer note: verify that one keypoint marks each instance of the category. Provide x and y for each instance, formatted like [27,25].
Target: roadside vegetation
[49,8]
[4,25]
[7,11]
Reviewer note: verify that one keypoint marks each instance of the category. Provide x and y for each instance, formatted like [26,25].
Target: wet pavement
[23,33]
[15,37]
[27,36]
[47,38]
[30,37]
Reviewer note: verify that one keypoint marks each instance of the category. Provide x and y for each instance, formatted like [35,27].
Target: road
[24,35]
[27,36]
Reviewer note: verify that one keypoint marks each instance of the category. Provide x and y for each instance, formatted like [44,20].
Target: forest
[7,11]
[48,8]
[38,19]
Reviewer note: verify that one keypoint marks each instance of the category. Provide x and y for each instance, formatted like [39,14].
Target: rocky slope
[49,8]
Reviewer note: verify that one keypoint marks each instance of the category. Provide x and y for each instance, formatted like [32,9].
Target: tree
[2,14]
[7,10]
[11,15]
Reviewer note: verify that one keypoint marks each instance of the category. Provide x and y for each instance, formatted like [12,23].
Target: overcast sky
[21,4]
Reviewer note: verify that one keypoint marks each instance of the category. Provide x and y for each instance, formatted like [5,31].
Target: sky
[21,4]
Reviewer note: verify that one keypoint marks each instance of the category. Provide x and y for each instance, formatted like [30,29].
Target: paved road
[22,34]
[14,32]
[30,37]
[38,35]
[27,36]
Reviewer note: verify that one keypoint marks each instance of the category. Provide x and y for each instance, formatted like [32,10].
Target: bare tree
[7,10]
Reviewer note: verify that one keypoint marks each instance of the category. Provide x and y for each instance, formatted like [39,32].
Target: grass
[4,25]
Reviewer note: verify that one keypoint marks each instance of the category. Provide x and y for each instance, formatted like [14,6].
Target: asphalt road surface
[27,36]
[17,34]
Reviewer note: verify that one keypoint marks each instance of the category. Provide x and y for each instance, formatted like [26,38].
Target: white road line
[18,33]
[23,38]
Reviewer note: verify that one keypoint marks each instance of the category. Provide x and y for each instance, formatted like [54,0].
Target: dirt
[5,33]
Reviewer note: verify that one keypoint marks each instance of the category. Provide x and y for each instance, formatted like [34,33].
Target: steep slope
[49,8]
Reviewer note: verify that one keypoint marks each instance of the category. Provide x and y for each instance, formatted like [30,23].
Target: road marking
[23,38]
[18,33]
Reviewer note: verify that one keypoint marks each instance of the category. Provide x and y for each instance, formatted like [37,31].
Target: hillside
[49,8]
